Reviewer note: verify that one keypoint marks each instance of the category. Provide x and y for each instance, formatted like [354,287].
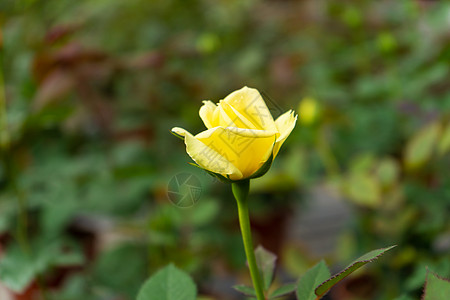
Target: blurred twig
[4,137]
[329,160]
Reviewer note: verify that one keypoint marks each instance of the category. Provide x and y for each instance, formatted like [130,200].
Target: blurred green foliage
[93,87]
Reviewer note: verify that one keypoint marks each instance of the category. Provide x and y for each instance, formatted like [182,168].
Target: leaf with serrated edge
[436,287]
[311,279]
[246,290]
[169,283]
[283,290]
[323,288]
[266,265]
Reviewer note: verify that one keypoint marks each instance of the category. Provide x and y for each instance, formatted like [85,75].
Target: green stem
[4,138]
[325,153]
[240,192]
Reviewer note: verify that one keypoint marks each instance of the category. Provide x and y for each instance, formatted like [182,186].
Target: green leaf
[323,288]
[169,283]
[283,290]
[16,269]
[436,288]
[420,148]
[388,172]
[246,290]
[311,279]
[204,212]
[364,189]
[266,265]
[132,273]
[19,267]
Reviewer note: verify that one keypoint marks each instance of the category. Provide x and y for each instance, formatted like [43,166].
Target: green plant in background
[170,283]
[92,86]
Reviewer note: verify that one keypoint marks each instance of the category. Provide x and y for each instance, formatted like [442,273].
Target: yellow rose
[242,138]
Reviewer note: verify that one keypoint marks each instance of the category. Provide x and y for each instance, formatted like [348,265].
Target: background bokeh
[93,88]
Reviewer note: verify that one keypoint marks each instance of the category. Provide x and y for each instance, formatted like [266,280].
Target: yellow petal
[249,103]
[206,156]
[206,113]
[223,115]
[179,131]
[246,149]
[237,119]
[251,133]
[224,120]
[285,124]
[219,117]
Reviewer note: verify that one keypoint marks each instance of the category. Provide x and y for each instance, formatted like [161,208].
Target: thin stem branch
[4,137]
[325,153]
[240,191]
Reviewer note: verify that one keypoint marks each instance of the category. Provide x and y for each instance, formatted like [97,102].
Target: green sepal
[216,175]
[220,177]
[177,135]
[260,172]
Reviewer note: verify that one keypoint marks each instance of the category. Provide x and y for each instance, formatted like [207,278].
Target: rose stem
[240,192]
